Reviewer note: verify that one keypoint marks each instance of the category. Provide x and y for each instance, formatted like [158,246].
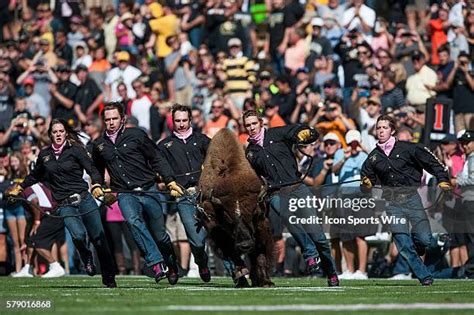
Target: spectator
[177,67]
[438,29]
[286,97]
[64,94]
[361,17]
[319,45]
[141,105]
[62,49]
[125,73]
[392,97]
[418,84]
[88,96]
[81,55]
[218,119]
[461,79]
[239,73]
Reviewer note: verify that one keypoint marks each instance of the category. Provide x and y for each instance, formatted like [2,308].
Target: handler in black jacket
[399,165]
[133,163]
[271,155]
[185,151]
[61,167]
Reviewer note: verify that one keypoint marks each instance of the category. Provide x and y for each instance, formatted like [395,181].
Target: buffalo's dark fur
[235,221]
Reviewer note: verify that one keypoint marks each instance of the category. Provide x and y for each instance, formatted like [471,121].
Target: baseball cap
[449,138]
[317,21]
[374,100]
[28,81]
[467,136]
[331,136]
[234,42]
[353,135]
[123,56]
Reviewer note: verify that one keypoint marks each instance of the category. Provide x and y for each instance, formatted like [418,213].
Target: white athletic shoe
[25,272]
[359,275]
[401,276]
[346,275]
[55,271]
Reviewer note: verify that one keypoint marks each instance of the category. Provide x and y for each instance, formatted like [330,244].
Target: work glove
[175,190]
[304,135]
[97,191]
[109,197]
[445,186]
[365,185]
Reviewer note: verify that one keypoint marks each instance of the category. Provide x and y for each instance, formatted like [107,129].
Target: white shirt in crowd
[127,76]
[367,14]
[140,109]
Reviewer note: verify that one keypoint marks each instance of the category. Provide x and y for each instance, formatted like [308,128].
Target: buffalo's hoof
[241,283]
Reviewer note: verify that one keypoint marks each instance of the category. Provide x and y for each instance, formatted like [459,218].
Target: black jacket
[132,162]
[64,175]
[276,161]
[185,159]
[404,166]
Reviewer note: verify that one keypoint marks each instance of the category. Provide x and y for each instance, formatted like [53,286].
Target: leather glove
[304,135]
[175,190]
[97,191]
[13,191]
[366,182]
[109,197]
[445,186]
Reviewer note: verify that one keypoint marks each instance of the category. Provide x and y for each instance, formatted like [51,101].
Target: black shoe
[173,273]
[90,267]
[109,282]
[160,271]
[333,281]
[205,274]
[427,282]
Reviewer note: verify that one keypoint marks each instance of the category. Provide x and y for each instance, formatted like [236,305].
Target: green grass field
[139,295]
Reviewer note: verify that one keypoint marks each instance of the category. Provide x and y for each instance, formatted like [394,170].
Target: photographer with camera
[330,118]
[461,80]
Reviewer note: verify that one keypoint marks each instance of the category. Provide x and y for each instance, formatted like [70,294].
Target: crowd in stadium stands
[336,65]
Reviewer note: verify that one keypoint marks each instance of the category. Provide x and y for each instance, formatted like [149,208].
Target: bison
[232,212]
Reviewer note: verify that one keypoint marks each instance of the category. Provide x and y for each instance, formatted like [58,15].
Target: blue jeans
[420,235]
[14,212]
[310,237]
[186,210]
[151,237]
[88,225]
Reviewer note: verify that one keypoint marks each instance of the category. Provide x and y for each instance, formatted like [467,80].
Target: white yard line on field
[313,307]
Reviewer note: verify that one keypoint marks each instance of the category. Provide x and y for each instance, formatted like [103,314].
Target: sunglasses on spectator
[138,86]
[330,142]
[213,107]
[42,123]
[383,57]
[363,52]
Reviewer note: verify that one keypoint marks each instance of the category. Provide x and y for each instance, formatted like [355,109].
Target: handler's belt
[399,195]
[144,187]
[191,190]
[73,200]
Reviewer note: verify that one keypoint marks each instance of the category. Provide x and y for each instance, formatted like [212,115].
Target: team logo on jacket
[100,147]
[168,144]
[373,158]
[46,158]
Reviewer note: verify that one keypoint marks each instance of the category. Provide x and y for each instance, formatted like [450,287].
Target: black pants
[116,230]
